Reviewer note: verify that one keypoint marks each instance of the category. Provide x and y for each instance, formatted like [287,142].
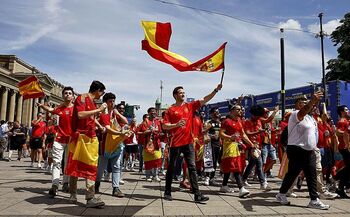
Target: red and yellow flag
[156,43]
[30,88]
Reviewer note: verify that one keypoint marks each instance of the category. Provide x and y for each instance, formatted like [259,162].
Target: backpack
[284,136]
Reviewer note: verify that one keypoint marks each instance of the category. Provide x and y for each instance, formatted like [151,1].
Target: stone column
[19,108]
[35,113]
[4,95]
[42,101]
[12,105]
[27,111]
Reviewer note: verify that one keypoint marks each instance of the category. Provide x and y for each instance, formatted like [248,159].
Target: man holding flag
[83,147]
[179,121]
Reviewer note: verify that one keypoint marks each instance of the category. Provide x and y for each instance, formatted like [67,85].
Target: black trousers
[300,160]
[216,153]
[188,152]
[237,177]
[344,174]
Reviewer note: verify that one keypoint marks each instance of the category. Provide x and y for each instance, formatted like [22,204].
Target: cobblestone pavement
[24,191]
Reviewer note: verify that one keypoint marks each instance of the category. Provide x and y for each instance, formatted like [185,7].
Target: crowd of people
[91,140]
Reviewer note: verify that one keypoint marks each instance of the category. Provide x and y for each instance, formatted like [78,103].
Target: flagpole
[222,75]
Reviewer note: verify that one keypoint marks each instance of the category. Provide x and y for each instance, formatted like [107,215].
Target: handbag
[256,153]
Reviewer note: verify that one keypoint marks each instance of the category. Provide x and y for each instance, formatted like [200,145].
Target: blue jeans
[258,162]
[141,157]
[115,163]
[268,150]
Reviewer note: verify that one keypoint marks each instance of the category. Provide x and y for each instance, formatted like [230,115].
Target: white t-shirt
[302,133]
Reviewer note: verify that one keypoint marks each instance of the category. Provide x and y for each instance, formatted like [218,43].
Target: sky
[77,41]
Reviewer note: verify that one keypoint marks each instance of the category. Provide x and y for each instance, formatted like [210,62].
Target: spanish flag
[30,88]
[156,43]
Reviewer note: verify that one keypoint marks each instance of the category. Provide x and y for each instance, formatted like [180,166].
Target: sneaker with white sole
[246,184]
[226,189]
[282,199]
[265,186]
[291,194]
[328,195]
[213,182]
[317,204]
[243,192]
[39,165]
[149,179]
[121,182]
[156,179]
[206,181]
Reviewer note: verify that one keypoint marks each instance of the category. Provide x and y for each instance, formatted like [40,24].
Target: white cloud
[290,24]
[328,27]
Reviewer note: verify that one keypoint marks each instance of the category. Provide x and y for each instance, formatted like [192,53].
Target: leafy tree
[340,68]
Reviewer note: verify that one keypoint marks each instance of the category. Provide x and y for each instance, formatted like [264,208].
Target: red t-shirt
[232,127]
[84,126]
[324,140]
[198,129]
[38,130]
[64,128]
[342,125]
[250,126]
[142,128]
[129,140]
[181,135]
[105,119]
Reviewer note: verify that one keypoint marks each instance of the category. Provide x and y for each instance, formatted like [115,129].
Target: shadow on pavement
[249,203]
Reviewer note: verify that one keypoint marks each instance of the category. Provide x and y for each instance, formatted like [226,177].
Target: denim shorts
[268,150]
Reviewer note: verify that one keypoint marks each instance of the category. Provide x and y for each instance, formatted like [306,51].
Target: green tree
[340,68]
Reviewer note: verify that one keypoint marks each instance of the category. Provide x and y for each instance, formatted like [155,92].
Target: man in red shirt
[36,140]
[179,120]
[64,114]
[83,147]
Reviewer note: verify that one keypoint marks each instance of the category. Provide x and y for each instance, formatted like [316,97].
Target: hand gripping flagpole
[222,75]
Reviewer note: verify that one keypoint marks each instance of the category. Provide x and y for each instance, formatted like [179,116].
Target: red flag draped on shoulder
[156,43]
[30,88]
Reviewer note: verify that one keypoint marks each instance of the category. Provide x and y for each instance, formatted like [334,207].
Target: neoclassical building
[13,107]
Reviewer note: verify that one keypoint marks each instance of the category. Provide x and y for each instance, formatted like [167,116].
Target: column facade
[19,108]
[35,107]
[4,95]
[12,105]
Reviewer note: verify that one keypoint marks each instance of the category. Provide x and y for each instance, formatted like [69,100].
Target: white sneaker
[156,179]
[291,194]
[121,182]
[282,199]
[206,181]
[226,189]
[246,184]
[328,195]
[317,204]
[39,165]
[149,179]
[265,187]
[243,192]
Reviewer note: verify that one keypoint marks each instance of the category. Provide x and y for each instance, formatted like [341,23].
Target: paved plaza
[24,191]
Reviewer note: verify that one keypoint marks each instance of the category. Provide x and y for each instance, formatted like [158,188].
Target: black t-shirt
[214,130]
[18,139]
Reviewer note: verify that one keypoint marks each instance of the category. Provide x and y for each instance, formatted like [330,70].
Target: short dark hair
[163,114]
[67,88]
[108,96]
[212,110]
[176,89]
[340,109]
[120,104]
[232,107]
[144,116]
[2,122]
[150,108]
[96,86]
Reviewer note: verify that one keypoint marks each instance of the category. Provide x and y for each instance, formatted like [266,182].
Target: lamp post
[283,91]
[321,34]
